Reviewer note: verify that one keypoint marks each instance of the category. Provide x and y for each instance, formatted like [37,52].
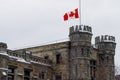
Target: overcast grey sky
[33,22]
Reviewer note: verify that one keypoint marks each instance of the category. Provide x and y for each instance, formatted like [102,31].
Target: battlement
[104,38]
[81,28]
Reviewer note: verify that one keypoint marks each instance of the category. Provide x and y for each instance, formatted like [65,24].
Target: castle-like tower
[79,56]
[106,51]
[81,64]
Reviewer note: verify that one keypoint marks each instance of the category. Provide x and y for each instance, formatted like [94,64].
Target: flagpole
[80,12]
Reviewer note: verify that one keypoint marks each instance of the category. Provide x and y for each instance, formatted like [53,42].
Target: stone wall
[51,51]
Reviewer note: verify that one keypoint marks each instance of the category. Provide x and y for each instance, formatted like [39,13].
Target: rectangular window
[11,70]
[11,73]
[93,69]
[58,58]
[46,57]
[58,77]
[27,74]
[42,75]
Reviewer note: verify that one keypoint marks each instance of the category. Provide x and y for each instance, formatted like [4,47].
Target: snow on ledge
[4,53]
[40,63]
[22,59]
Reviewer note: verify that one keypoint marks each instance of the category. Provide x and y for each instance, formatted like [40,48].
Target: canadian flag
[71,14]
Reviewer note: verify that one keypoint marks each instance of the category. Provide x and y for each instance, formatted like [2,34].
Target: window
[46,57]
[26,74]
[58,58]
[82,51]
[107,59]
[42,75]
[101,57]
[11,73]
[93,69]
[11,70]
[88,52]
[58,77]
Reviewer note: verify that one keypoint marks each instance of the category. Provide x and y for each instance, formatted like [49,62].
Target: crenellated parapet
[81,34]
[81,28]
[105,38]
[105,42]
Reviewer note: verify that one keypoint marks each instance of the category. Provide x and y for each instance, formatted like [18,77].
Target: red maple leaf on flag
[71,14]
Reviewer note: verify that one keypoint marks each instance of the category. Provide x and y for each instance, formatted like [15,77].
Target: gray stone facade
[76,59]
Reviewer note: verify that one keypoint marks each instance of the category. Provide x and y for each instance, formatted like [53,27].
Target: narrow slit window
[58,58]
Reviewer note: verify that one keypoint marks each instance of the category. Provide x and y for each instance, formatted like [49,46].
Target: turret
[80,33]
[105,42]
[106,50]
[3,61]
[79,63]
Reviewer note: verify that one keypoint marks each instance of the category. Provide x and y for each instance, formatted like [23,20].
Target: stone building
[76,59]
[117,77]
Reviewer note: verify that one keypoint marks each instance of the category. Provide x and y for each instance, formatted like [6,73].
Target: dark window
[101,57]
[10,70]
[88,52]
[46,57]
[10,77]
[93,69]
[82,51]
[11,73]
[25,78]
[58,77]
[107,59]
[94,63]
[58,58]
[26,74]
[42,75]
[92,78]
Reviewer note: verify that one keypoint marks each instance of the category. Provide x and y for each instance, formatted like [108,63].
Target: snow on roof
[4,53]
[28,62]
[19,59]
[40,63]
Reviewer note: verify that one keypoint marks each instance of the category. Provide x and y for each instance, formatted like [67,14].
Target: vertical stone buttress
[106,50]
[79,55]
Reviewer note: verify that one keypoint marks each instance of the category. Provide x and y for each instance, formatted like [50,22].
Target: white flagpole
[80,12]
